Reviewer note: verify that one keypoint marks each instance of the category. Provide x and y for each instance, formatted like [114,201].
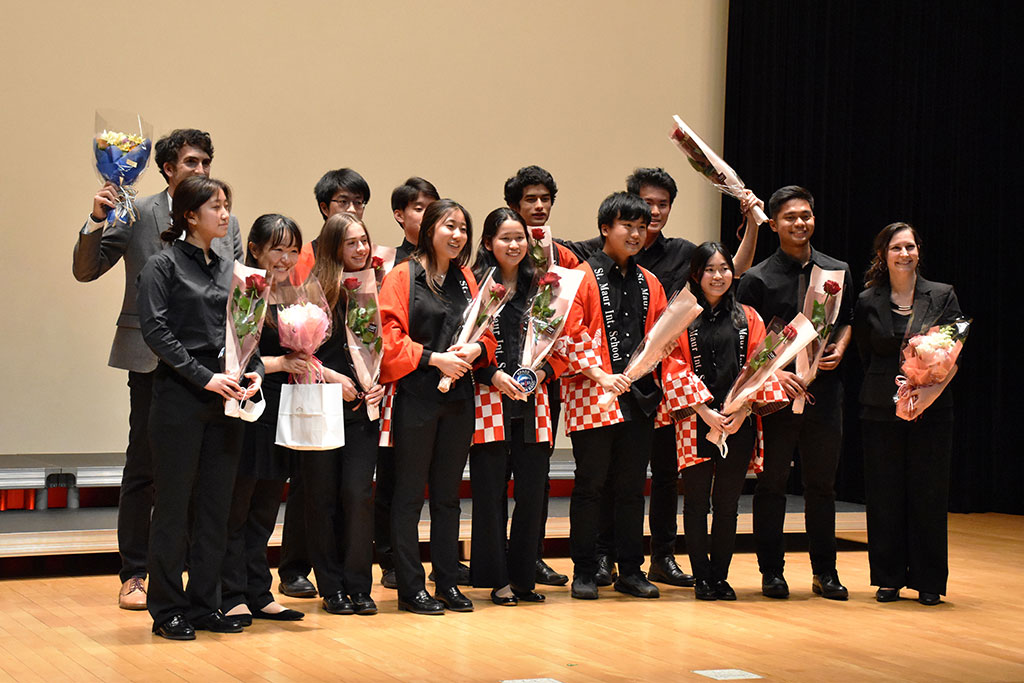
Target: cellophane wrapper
[704,160]
[121,147]
[545,316]
[541,249]
[478,316]
[362,329]
[382,262]
[247,310]
[928,359]
[660,341]
[303,323]
[822,309]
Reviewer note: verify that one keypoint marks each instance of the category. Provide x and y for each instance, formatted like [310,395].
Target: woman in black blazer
[906,463]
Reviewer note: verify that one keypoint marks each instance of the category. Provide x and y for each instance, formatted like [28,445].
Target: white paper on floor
[726,674]
[532,680]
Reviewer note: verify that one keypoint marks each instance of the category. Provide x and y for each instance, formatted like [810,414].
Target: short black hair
[656,177]
[785,194]
[524,177]
[341,179]
[168,147]
[624,206]
[406,193]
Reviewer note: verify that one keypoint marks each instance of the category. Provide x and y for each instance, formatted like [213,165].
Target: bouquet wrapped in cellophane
[247,309]
[782,342]
[362,329]
[477,317]
[382,262]
[704,160]
[662,338]
[541,249]
[121,148]
[303,323]
[928,364]
[821,307]
[544,321]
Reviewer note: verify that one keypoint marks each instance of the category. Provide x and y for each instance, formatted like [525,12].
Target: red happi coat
[401,353]
[586,347]
[684,391]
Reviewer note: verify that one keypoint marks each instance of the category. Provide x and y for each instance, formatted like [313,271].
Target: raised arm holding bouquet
[821,307]
[121,155]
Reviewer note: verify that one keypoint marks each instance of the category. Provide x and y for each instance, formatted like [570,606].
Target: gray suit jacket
[98,251]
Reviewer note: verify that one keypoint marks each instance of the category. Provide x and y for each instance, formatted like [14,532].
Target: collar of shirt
[788,263]
[197,254]
[611,266]
[659,245]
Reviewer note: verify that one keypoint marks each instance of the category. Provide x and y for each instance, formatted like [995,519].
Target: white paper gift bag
[311,417]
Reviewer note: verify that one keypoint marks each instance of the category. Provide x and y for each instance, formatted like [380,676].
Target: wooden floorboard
[69,629]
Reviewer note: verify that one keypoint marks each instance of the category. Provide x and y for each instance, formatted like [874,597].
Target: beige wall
[462,93]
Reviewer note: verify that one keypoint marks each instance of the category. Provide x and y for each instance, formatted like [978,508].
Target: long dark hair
[485,259]
[698,262]
[329,268]
[267,232]
[189,196]
[877,274]
[434,214]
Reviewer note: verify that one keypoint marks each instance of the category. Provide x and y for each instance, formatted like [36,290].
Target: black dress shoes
[297,587]
[244,620]
[462,578]
[637,585]
[217,623]
[421,603]
[928,598]
[506,601]
[453,599]
[774,586]
[606,573]
[549,577]
[703,590]
[665,570]
[338,603]
[723,591]
[528,596]
[828,586]
[283,615]
[887,594]
[389,579]
[176,628]
[363,604]
[583,588]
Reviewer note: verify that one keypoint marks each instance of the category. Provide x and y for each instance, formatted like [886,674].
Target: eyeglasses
[349,201]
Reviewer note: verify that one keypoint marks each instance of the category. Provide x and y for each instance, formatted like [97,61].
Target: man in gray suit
[182,153]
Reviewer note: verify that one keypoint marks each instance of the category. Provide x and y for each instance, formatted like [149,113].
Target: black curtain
[889,111]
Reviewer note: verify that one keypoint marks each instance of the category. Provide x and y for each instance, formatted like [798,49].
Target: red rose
[832,287]
[498,290]
[377,262]
[678,135]
[257,282]
[351,283]
[537,233]
[549,278]
[789,332]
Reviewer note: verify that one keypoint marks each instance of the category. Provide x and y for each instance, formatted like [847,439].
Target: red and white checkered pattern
[386,409]
[489,425]
[580,395]
[770,397]
[584,352]
[686,445]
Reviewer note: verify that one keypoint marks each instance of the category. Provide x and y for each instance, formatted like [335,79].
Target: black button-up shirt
[668,258]
[717,342]
[182,303]
[404,250]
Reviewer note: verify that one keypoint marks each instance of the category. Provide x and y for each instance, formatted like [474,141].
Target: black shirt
[718,351]
[667,257]
[403,251]
[182,303]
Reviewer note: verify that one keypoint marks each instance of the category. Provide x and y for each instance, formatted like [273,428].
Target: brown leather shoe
[133,594]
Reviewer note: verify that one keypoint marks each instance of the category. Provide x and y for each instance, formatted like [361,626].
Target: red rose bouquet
[478,315]
[362,329]
[821,307]
[545,320]
[247,308]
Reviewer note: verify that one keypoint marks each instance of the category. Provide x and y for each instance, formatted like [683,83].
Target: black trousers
[135,502]
[492,566]
[664,505]
[715,485]
[431,447]
[906,487]
[818,435]
[616,453]
[383,492]
[295,560]
[339,510]
[555,402]
[246,577]
[195,457]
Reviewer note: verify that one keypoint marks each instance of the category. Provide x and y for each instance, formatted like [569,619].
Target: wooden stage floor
[70,629]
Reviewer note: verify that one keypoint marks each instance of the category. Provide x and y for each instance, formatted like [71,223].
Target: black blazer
[879,346]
